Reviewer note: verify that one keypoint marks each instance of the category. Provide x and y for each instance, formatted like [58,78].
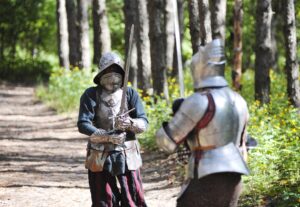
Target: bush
[65,88]
[24,70]
[274,164]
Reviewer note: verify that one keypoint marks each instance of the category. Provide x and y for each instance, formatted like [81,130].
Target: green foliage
[28,25]
[116,22]
[65,88]
[186,46]
[274,164]
[27,30]
[24,70]
[157,110]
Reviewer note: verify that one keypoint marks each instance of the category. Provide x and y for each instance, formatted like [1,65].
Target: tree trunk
[130,18]
[102,41]
[180,10]
[158,66]
[170,33]
[276,25]
[62,34]
[194,24]
[205,22]
[263,50]
[218,18]
[143,46]
[274,50]
[238,45]
[73,32]
[85,61]
[291,65]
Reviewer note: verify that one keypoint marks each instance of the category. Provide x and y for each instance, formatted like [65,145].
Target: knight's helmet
[208,65]
[108,59]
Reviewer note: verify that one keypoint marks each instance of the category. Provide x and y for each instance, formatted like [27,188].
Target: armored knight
[113,150]
[213,123]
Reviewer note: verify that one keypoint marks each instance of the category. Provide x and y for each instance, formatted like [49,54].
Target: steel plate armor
[216,146]
[208,65]
[108,107]
[108,59]
[225,128]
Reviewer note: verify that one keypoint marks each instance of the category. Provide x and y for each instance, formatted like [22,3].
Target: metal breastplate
[227,124]
[108,106]
[223,134]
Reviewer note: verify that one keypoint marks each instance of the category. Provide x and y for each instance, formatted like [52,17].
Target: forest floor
[42,158]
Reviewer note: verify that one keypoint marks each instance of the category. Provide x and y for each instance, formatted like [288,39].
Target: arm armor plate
[185,119]
[138,125]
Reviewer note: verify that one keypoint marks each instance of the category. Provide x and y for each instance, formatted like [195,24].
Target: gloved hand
[123,123]
[104,137]
[118,139]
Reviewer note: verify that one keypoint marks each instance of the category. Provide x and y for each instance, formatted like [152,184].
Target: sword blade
[127,65]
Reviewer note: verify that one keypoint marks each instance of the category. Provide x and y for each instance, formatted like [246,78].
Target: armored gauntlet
[125,123]
[102,136]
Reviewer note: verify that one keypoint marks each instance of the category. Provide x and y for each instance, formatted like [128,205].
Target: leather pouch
[95,160]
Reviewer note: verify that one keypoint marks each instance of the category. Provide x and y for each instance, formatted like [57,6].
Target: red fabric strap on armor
[209,114]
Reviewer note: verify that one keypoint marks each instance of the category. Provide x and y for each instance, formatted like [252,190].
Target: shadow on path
[42,158]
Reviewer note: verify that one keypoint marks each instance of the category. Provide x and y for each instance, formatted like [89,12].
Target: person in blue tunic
[113,153]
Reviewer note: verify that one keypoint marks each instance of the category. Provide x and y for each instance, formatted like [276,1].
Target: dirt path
[42,156]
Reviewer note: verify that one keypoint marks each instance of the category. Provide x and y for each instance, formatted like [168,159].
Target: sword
[127,65]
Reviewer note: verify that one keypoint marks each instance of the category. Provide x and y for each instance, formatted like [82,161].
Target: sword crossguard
[120,115]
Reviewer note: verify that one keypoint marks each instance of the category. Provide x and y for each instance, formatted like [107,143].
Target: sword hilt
[122,114]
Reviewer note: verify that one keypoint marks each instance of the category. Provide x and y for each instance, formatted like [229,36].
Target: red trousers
[105,191]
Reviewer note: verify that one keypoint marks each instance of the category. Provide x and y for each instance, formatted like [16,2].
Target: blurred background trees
[264,31]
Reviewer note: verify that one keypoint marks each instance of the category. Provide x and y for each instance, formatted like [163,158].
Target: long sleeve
[136,102]
[138,116]
[87,112]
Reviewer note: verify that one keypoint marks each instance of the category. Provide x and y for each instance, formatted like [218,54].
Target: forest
[56,46]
